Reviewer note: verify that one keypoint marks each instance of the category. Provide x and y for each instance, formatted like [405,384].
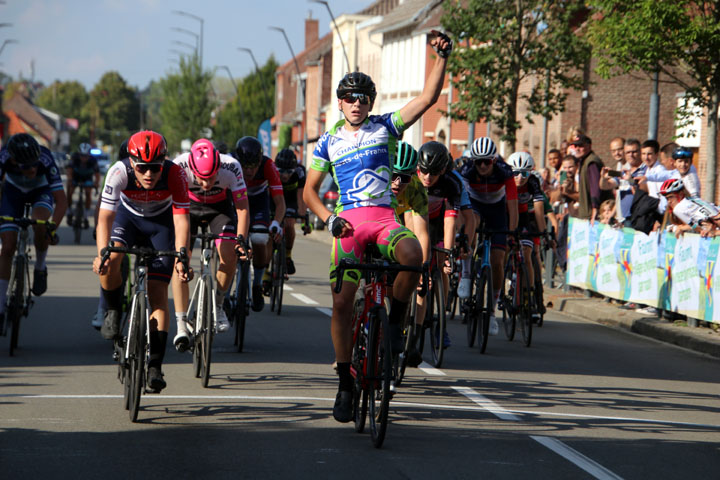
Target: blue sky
[82,39]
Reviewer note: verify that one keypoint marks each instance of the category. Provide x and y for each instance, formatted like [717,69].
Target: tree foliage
[679,38]
[501,43]
[65,98]
[253,105]
[113,110]
[186,107]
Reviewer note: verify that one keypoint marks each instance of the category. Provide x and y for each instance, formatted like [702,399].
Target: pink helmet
[204,160]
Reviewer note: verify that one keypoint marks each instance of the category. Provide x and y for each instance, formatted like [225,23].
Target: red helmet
[672,185]
[147,146]
[204,159]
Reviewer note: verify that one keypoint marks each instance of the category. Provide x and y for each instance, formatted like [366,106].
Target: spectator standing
[617,154]
[590,194]
[626,183]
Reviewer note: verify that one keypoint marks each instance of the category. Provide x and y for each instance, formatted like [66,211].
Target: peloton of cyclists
[263,182]
[211,177]
[144,202]
[358,149]
[83,172]
[31,176]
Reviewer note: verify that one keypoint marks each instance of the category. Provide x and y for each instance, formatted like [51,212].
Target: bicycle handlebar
[26,222]
[145,254]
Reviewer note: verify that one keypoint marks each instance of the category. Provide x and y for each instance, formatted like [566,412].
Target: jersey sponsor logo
[367,182]
[108,189]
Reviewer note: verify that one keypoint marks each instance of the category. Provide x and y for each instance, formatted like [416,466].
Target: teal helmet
[406,158]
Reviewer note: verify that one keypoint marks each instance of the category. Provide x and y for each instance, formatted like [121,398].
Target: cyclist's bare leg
[527,253]
[157,292]
[408,253]
[227,266]
[88,197]
[40,236]
[181,294]
[497,259]
[289,233]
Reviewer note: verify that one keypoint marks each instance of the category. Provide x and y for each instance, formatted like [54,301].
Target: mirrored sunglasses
[143,168]
[403,177]
[354,97]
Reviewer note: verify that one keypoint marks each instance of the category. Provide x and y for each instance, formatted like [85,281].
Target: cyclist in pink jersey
[360,150]
[211,176]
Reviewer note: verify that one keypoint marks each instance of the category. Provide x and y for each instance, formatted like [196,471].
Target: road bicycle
[453,300]
[79,222]
[372,363]
[278,273]
[478,307]
[19,295]
[132,349]
[410,327]
[435,321]
[238,303]
[202,309]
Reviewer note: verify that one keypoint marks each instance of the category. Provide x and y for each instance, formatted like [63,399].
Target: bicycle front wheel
[436,319]
[507,296]
[280,276]
[15,309]
[526,306]
[470,310]
[137,350]
[359,362]
[485,303]
[205,312]
[380,376]
[240,312]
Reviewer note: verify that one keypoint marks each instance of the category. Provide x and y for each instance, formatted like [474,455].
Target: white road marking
[326,311]
[572,455]
[305,299]
[569,454]
[287,288]
[430,370]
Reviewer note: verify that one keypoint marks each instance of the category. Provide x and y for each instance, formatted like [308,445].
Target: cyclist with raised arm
[360,149]
[493,194]
[211,177]
[83,172]
[292,177]
[263,182]
[30,176]
[531,209]
[412,210]
[144,203]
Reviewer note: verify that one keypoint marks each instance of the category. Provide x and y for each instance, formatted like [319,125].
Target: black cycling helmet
[433,158]
[23,148]
[356,82]
[249,152]
[286,159]
[221,147]
[123,152]
[406,158]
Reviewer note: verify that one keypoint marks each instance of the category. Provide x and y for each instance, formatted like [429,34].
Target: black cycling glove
[445,52]
[335,224]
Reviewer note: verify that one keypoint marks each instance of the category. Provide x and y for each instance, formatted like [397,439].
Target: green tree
[112,113]
[186,107]
[69,100]
[501,43]
[152,99]
[678,38]
[253,105]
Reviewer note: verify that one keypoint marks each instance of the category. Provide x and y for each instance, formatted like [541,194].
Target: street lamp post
[6,42]
[262,79]
[337,30]
[202,25]
[189,32]
[237,95]
[302,85]
[185,44]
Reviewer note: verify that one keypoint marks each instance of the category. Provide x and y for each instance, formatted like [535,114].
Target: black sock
[346,379]
[397,311]
[158,342]
[113,298]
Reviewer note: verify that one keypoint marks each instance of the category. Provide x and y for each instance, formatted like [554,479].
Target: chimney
[311,30]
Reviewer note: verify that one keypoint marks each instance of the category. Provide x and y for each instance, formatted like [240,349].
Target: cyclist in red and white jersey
[263,182]
[144,202]
[211,177]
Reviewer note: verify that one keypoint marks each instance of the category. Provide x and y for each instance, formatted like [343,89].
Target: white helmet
[483,147]
[521,161]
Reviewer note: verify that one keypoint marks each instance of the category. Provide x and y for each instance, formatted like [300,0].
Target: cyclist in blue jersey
[83,172]
[31,176]
[360,150]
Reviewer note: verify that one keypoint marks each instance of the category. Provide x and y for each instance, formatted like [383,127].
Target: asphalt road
[585,401]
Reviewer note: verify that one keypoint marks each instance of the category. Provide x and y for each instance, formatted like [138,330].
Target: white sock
[40,260]
[180,318]
[3,294]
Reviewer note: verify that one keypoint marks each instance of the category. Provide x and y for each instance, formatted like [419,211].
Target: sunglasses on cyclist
[26,166]
[403,177]
[523,174]
[143,168]
[286,171]
[425,171]
[484,161]
[354,97]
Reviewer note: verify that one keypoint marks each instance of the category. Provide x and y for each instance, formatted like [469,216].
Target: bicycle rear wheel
[452,300]
[205,310]
[485,307]
[436,319]
[525,306]
[359,363]
[507,295]
[240,312]
[538,288]
[280,282]
[380,376]
[137,336]
[15,309]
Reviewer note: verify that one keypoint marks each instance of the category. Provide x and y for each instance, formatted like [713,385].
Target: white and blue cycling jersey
[361,161]
[47,174]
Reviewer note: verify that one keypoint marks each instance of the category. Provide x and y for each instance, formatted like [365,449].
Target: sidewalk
[700,339]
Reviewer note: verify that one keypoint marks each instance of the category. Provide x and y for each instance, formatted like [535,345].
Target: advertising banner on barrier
[659,269]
